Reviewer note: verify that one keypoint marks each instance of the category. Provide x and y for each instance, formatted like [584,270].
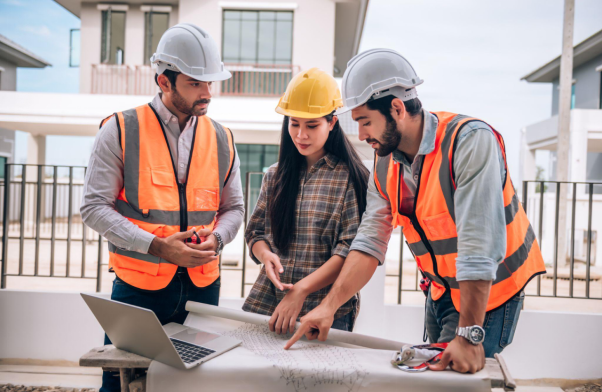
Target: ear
[164,83]
[398,109]
[332,123]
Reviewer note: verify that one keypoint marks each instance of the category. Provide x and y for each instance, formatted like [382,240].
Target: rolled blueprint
[334,335]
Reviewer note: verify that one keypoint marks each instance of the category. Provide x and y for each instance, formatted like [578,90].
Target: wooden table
[112,359]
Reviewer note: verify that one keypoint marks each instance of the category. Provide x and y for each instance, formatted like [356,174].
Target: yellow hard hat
[310,94]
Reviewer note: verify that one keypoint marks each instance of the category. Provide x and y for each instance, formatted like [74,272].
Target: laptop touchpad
[195,336]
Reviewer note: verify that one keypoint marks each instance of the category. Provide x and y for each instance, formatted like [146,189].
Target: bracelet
[220,244]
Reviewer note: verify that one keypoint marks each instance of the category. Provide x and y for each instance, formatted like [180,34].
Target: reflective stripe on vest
[154,200]
[435,215]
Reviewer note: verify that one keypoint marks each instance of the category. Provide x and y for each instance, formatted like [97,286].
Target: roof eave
[22,58]
[348,35]
[72,6]
[582,53]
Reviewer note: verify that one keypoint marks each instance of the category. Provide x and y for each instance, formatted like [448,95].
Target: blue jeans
[168,304]
[500,324]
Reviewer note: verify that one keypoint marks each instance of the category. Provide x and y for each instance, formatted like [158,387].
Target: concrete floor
[56,376]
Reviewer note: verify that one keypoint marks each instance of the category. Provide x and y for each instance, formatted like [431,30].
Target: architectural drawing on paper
[306,365]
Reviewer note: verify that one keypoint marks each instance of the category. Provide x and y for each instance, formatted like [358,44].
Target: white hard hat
[377,73]
[188,49]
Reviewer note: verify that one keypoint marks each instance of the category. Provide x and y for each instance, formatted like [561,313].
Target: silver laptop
[139,331]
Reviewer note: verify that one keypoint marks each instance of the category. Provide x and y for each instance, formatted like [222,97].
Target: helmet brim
[214,77]
[300,114]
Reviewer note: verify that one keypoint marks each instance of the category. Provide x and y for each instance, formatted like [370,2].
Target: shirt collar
[164,114]
[329,159]
[429,134]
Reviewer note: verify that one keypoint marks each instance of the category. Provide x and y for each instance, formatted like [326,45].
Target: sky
[471,55]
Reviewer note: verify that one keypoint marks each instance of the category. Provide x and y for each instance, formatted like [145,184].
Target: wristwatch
[220,244]
[474,334]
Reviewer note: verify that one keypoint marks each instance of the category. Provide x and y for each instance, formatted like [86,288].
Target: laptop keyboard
[190,352]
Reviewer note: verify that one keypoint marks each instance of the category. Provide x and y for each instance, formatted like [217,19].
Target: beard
[180,103]
[390,139]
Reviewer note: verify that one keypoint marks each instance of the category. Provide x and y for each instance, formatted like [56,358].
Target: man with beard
[163,186]
[443,177]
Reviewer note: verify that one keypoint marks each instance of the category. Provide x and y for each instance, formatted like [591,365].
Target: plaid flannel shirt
[327,220]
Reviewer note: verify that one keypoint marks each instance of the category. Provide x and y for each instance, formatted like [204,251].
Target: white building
[585,150]
[12,56]
[263,44]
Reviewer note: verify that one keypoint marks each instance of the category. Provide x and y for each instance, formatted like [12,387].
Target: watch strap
[220,243]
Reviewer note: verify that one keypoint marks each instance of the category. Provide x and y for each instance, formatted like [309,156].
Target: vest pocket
[206,199]
[162,177]
[440,226]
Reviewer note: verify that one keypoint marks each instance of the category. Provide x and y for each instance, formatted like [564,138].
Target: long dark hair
[286,179]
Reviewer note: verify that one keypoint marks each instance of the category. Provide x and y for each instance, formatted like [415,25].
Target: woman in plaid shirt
[309,208]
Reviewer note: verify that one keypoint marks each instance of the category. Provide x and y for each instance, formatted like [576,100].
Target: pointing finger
[300,332]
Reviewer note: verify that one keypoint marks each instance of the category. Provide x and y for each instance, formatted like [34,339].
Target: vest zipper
[183,207]
[181,186]
[416,224]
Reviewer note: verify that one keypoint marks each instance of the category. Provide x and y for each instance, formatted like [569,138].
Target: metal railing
[581,197]
[415,276]
[258,80]
[123,79]
[41,215]
[43,234]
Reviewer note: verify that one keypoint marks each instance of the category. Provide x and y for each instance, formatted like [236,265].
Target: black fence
[43,234]
[542,202]
[42,231]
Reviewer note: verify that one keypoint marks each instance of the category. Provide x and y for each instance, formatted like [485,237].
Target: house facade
[12,56]
[585,154]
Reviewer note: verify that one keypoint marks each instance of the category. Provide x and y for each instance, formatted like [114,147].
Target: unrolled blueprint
[261,364]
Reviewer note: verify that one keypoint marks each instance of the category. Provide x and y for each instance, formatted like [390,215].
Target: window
[156,23]
[257,37]
[255,158]
[573,96]
[594,170]
[74,46]
[2,163]
[113,37]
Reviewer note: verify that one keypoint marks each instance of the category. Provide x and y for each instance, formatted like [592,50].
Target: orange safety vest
[154,200]
[431,229]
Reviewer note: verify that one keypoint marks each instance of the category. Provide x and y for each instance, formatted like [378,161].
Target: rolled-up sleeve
[231,207]
[375,230]
[479,203]
[350,219]
[256,227]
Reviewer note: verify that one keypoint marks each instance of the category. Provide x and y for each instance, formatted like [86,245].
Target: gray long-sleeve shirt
[104,181]
[479,205]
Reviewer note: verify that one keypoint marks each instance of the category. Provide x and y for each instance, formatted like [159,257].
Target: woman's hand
[285,316]
[273,269]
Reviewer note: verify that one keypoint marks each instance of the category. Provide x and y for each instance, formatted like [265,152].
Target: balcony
[123,79]
[252,80]
[258,80]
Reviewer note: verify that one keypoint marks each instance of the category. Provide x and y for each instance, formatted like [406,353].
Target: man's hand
[273,269]
[175,250]
[285,316]
[462,356]
[315,324]
[208,241]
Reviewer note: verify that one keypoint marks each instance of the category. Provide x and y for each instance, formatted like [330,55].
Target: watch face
[477,335]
